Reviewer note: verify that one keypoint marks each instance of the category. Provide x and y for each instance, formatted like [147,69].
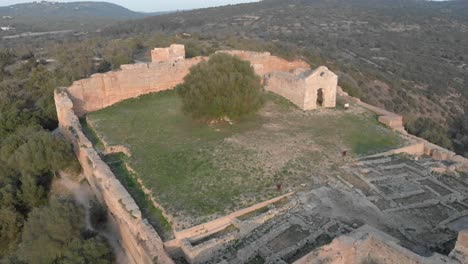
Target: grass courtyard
[198,171]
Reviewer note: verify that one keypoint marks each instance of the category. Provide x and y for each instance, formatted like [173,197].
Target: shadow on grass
[154,215]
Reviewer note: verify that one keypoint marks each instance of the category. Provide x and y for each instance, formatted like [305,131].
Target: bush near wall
[224,86]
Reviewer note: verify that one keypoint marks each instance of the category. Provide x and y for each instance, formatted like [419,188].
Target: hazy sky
[152,5]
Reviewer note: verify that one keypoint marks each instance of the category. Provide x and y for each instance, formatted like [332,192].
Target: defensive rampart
[265,63]
[174,53]
[102,90]
[138,238]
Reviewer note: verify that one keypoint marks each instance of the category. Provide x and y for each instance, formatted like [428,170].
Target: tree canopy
[223,86]
[54,234]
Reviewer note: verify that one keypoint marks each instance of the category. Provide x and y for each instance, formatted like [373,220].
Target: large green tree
[223,86]
[33,150]
[429,129]
[28,160]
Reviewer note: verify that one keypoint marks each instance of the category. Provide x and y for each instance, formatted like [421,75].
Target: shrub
[430,130]
[224,86]
[55,234]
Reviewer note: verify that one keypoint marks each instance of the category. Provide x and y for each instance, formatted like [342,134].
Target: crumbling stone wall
[138,238]
[174,53]
[368,245]
[102,90]
[287,85]
[265,63]
[308,90]
[460,251]
[168,69]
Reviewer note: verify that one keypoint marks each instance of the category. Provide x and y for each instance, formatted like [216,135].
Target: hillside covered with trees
[49,16]
[36,225]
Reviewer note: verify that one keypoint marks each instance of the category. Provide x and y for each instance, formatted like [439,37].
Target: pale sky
[152,5]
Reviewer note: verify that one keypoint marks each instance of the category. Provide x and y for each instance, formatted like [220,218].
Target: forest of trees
[36,226]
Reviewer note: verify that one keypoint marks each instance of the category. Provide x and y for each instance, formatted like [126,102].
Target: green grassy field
[198,171]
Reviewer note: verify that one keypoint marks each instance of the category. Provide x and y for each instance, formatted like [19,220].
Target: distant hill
[73,9]
[49,16]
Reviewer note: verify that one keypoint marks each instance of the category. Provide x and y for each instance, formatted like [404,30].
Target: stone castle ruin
[289,230]
[309,90]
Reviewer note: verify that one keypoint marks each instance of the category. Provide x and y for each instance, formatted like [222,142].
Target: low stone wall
[460,251]
[395,122]
[103,90]
[265,63]
[295,91]
[198,254]
[138,238]
[173,53]
[368,245]
[414,149]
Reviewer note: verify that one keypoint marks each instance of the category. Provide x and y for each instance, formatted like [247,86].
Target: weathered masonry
[309,90]
[139,240]
[174,53]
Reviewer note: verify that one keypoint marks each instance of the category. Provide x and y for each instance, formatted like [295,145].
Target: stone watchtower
[309,89]
[320,89]
[174,53]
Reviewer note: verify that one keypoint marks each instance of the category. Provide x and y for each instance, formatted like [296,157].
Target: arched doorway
[320,98]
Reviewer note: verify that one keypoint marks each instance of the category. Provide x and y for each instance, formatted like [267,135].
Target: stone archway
[320,97]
